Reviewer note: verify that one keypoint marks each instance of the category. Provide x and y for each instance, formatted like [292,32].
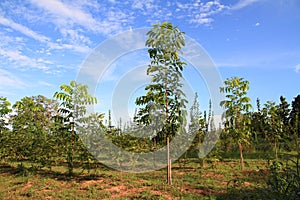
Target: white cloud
[24,61]
[41,38]
[26,31]
[297,68]
[66,12]
[242,3]
[144,5]
[201,20]
[74,47]
[45,84]
[200,13]
[7,79]
[66,15]
[257,24]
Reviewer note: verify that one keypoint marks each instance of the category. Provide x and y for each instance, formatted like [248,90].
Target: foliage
[32,124]
[274,124]
[4,110]
[164,93]
[74,98]
[284,181]
[72,111]
[237,106]
[295,116]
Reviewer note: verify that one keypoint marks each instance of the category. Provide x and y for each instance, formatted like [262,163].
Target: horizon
[47,45]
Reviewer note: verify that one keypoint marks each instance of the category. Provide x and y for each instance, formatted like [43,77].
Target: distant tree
[274,124]
[195,117]
[201,125]
[237,106]
[164,93]
[197,126]
[295,116]
[284,112]
[4,110]
[258,125]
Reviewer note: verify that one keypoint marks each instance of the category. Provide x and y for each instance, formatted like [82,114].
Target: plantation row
[39,130]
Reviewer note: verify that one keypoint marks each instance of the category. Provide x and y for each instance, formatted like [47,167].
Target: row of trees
[270,124]
[49,131]
[41,130]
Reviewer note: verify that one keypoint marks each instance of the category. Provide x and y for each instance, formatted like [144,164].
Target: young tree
[237,106]
[74,98]
[274,124]
[32,123]
[164,93]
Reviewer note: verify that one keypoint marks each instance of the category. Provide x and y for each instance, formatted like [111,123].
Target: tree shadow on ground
[44,173]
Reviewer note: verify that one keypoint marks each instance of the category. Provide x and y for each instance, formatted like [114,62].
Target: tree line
[40,130]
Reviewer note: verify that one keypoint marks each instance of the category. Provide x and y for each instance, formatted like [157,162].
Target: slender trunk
[241,156]
[199,144]
[168,162]
[154,151]
[71,152]
[275,148]
[168,138]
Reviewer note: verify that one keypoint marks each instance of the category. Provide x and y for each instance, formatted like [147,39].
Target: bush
[284,180]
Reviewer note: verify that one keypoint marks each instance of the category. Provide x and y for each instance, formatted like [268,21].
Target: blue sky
[45,42]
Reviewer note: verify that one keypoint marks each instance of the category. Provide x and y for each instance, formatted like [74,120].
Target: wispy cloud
[43,39]
[7,79]
[44,83]
[242,3]
[23,29]
[24,61]
[68,15]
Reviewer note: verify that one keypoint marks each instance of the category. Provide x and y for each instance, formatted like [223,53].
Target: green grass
[216,180]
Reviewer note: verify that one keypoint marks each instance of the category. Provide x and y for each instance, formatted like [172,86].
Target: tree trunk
[168,162]
[154,151]
[168,138]
[241,156]
[71,152]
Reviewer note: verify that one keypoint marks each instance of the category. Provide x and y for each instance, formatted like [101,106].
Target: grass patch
[217,180]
